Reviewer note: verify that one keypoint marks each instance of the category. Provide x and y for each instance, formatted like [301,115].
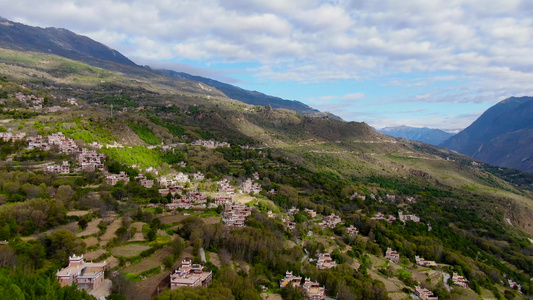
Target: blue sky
[438,64]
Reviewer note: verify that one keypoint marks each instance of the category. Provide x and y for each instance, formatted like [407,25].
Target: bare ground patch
[110,231]
[147,288]
[112,262]
[91,241]
[266,296]
[129,250]
[172,219]
[93,255]
[244,199]
[215,259]
[78,213]
[92,228]
[398,296]
[391,284]
[148,263]
[139,236]
[212,220]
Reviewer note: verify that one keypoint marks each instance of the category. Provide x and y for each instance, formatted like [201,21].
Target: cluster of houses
[425,294]
[514,285]
[86,275]
[178,179]
[405,218]
[90,160]
[380,216]
[331,221]
[392,256]
[352,230]
[223,200]
[459,280]
[190,275]
[211,144]
[310,212]
[248,186]
[325,261]
[11,137]
[63,168]
[189,200]
[290,225]
[36,102]
[401,217]
[292,211]
[425,263]
[225,187]
[173,191]
[113,179]
[144,181]
[312,290]
[66,145]
[235,214]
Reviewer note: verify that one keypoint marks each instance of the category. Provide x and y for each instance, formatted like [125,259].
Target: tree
[63,243]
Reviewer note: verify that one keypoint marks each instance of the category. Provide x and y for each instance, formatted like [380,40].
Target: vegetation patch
[145,133]
[135,155]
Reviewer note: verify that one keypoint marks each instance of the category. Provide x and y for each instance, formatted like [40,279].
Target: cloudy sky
[420,63]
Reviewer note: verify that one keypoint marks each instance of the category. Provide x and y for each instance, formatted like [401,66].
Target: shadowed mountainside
[502,136]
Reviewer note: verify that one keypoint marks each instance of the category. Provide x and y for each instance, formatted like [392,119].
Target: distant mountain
[425,135]
[253,97]
[60,42]
[501,136]
[68,44]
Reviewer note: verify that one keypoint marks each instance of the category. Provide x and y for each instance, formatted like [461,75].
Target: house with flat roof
[325,261]
[313,290]
[87,276]
[392,256]
[459,280]
[190,275]
[425,294]
[295,281]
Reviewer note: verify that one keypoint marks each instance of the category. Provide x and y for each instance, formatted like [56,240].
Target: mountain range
[426,135]
[501,136]
[252,97]
[68,44]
